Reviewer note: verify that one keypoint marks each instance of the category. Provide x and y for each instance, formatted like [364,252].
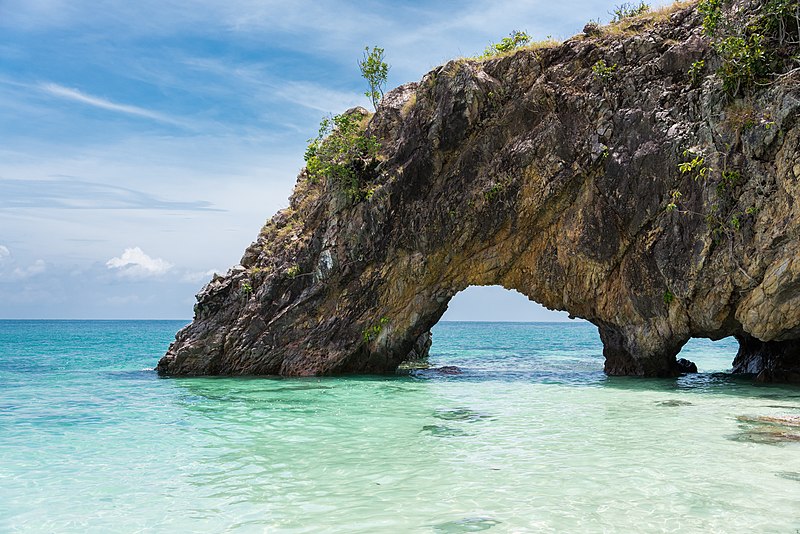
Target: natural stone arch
[529,172]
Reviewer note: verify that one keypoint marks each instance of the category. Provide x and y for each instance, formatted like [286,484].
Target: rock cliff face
[540,173]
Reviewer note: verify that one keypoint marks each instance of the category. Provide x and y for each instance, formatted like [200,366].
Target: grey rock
[527,171]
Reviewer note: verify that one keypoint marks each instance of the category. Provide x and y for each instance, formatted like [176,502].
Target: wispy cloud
[22,273]
[312,96]
[262,84]
[78,96]
[134,263]
[77,194]
[4,253]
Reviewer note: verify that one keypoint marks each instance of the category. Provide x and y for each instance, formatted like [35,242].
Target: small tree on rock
[515,39]
[375,70]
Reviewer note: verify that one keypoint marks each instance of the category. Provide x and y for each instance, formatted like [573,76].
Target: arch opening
[710,356]
[497,304]
[492,330]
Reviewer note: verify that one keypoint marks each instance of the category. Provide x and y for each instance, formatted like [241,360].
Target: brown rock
[530,172]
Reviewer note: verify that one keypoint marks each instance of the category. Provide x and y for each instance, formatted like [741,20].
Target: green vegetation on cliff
[628,9]
[343,153]
[756,44]
[756,47]
[516,39]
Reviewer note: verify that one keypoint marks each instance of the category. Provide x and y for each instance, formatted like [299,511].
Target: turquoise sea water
[531,437]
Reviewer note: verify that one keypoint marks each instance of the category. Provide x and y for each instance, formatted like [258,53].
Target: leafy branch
[375,70]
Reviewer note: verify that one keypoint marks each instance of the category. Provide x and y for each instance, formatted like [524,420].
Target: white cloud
[37,267]
[4,253]
[95,101]
[134,263]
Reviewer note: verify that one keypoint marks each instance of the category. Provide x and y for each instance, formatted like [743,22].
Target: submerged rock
[427,372]
[468,524]
[462,414]
[598,191]
[790,421]
[674,403]
[410,366]
[443,431]
[771,430]
[448,370]
[685,366]
[790,475]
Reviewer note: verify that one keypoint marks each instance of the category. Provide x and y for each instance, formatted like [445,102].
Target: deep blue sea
[530,437]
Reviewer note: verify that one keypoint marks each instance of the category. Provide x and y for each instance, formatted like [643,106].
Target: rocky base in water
[611,176]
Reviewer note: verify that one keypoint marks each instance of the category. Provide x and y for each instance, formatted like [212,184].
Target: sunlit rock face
[533,172]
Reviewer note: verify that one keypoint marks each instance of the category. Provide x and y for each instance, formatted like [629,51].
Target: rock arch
[530,172]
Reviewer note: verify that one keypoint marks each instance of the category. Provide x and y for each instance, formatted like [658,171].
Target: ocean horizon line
[68,319]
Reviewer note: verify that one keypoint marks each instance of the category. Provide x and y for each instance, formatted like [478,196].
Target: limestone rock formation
[540,173]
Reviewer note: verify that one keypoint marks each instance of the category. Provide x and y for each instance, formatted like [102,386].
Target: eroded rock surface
[532,172]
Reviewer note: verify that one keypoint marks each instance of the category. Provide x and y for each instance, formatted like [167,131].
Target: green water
[531,437]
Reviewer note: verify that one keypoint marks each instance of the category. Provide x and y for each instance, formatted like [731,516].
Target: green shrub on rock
[745,62]
[293,271]
[342,153]
[373,331]
[754,45]
[712,15]
[628,10]
[696,71]
[516,39]
[603,71]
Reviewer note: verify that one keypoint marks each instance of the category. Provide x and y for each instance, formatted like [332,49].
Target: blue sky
[143,144]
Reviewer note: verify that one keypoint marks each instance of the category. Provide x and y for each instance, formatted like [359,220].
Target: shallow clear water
[531,437]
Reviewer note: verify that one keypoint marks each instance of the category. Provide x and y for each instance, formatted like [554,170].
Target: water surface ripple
[529,436]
